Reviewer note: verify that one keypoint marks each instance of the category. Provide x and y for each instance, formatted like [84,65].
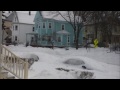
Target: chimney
[29,12]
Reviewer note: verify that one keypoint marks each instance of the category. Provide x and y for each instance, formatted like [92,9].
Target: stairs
[5,75]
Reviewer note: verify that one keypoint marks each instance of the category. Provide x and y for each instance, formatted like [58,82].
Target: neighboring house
[54,30]
[22,24]
[90,32]
[7,33]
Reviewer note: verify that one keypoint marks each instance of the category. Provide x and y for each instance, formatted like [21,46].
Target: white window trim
[61,26]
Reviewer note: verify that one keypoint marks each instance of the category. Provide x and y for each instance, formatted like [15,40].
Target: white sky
[33,12]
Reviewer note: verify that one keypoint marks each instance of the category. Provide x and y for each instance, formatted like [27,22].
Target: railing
[14,64]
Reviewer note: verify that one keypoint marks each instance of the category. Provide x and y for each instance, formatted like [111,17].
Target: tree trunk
[95,30]
[77,42]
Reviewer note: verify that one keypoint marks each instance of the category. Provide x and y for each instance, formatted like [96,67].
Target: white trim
[61,26]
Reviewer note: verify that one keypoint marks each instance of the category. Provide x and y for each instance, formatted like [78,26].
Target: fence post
[26,70]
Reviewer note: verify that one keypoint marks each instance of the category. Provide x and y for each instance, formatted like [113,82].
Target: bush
[86,75]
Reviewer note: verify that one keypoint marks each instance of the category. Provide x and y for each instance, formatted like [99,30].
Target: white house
[22,24]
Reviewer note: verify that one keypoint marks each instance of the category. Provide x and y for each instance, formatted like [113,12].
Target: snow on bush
[74,62]
[85,75]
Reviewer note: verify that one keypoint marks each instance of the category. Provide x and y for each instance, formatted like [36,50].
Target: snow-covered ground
[104,65]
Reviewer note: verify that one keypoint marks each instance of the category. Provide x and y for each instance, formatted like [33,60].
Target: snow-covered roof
[56,16]
[6,14]
[63,32]
[49,15]
[25,18]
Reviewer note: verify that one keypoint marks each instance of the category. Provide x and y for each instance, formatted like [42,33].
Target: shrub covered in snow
[86,75]
[74,62]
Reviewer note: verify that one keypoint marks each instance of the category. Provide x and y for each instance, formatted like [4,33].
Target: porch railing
[14,64]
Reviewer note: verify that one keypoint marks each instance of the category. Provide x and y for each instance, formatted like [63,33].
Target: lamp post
[0,42]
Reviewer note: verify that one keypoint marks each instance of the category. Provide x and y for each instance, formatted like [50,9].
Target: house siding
[56,26]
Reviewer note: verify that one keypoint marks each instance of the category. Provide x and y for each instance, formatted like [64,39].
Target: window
[59,39]
[43,38]
[33,29]
[49,38]
[43,25]
[16,27]
[68,39]
[50,25]
[39,25]
[15,38]
[63,27]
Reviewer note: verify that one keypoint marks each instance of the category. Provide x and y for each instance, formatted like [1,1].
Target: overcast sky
[33,12]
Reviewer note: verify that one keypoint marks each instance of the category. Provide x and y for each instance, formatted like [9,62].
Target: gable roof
[25,18]
[56,16]
[48,15]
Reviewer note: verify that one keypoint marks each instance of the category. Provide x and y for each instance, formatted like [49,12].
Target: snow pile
[51,64]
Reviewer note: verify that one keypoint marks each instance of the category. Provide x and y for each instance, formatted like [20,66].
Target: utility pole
[0,42]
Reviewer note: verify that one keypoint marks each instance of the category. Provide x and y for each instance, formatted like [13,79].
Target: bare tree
[76,19]
[106,22]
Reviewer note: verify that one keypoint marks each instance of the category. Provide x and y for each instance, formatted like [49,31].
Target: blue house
[54,30]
